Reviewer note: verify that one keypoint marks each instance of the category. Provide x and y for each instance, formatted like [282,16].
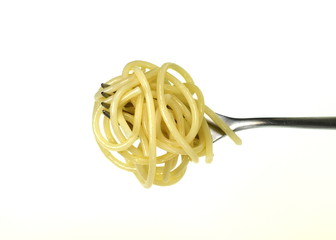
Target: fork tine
[104,85]
[105,95]
[106,105]
[106,113]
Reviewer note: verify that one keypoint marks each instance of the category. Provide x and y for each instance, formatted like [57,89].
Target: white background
[250,58]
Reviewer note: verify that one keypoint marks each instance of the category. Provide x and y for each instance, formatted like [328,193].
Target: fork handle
[297,122]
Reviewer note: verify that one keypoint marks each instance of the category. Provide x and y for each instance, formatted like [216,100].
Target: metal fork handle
[297,122]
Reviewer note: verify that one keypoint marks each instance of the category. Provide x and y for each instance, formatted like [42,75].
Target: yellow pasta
[149,122]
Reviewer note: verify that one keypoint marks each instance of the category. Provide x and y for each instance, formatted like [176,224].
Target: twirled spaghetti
[148,110]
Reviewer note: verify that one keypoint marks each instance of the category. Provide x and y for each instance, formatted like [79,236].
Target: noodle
[154,124]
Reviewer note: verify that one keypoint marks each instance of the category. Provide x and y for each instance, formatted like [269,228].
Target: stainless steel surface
[238,124]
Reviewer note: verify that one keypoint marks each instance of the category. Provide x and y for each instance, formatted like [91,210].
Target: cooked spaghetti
[149,122]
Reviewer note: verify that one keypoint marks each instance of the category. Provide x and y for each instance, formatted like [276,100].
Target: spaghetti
[148,122]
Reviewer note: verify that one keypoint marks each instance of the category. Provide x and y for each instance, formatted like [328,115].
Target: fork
[237,124]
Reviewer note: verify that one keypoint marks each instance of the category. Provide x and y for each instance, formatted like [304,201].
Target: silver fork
[237,124]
